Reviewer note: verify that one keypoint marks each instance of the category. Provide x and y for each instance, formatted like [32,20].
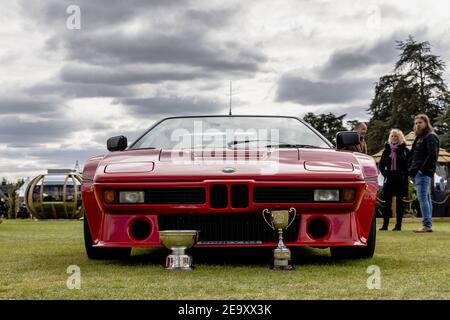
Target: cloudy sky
[65,90]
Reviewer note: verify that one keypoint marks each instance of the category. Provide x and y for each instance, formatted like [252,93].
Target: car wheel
[358,252]
[101,253]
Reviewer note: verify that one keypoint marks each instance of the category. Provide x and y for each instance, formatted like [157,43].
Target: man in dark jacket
[422,166]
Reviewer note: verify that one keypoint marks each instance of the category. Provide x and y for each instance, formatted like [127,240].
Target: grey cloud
[64,157]
[80,90]
[22,170]
[99,57]
[14,129]
[358,112]
[172,106]
[18,145]
[99,126]
[388,10]
[337,81]
[26,105]
[354,59]
[99,13]
[335,84]
[384,52]
[89,74]
[189,48]
[304,91]
[44,158]
[212,18]
[177,35]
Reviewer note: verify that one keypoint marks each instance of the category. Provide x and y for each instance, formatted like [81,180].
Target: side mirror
[117,143]
[346,139]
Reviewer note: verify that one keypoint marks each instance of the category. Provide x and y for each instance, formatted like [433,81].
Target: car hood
[197,165]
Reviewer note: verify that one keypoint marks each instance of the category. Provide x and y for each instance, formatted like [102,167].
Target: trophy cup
[178,241]
[279,220]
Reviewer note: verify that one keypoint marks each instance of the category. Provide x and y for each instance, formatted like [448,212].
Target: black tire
[102,253]
[358,252]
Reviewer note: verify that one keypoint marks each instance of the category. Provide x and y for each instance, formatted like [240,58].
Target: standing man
[422,166]
[361,128]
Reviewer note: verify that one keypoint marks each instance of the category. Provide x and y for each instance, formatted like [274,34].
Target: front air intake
[140,229]
[318,228]
[228,228]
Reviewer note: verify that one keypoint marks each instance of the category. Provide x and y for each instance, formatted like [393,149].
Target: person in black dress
[394,168]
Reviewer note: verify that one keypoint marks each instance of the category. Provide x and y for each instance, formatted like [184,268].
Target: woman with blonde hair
[394,167]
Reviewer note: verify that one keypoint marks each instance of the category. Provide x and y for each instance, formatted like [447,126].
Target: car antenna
[231,88]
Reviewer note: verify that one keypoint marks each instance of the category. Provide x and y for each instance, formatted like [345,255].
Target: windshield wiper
[235,142]
[292,145]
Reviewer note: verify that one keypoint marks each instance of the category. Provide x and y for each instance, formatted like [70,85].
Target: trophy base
[282,265]
[282,259]
[179,262]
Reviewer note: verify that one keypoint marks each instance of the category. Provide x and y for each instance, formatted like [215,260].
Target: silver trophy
[279,220]
[178,241]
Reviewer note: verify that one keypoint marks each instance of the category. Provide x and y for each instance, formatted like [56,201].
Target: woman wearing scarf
[394,167]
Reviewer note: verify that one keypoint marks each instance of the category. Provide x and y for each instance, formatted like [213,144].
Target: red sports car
[217,174]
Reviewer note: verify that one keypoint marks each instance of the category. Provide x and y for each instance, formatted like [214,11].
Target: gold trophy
[279,220]
[178,241]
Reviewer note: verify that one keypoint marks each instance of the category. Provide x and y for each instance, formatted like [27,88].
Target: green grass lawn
[34,256]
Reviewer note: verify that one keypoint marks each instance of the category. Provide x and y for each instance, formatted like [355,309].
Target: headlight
[131,196]
[327,195]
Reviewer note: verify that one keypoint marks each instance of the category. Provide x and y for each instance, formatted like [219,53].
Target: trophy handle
[295,214]
[264,216]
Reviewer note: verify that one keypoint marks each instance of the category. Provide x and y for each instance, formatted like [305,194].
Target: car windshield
[233,132]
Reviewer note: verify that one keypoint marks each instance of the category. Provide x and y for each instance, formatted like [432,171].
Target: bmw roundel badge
[228,170]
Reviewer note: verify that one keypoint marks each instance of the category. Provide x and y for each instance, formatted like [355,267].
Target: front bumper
[343,231]
[348,223]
